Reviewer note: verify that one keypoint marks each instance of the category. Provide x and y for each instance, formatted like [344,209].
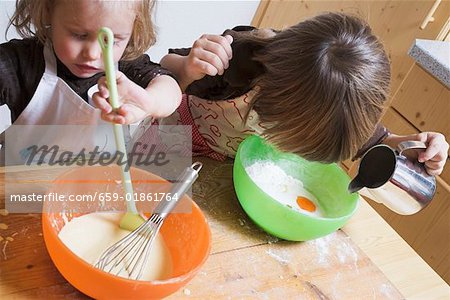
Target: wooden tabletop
[364,259]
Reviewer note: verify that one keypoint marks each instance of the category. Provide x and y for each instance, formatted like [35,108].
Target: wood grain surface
[245,262]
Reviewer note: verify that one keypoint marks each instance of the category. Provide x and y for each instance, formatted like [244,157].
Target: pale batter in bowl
[90,235]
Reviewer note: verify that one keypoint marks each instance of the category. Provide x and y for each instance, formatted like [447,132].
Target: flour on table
[282,187]
[90,235]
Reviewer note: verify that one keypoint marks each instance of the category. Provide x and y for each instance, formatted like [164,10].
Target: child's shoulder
[243,28]
[22,48]
[239,30]
[23,43]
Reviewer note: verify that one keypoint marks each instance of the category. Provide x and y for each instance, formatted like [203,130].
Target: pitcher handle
[406,145]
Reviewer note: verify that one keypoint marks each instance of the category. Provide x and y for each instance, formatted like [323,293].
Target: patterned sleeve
[378,137]
[142,70]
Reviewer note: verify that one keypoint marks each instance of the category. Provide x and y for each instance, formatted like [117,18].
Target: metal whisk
[131,253]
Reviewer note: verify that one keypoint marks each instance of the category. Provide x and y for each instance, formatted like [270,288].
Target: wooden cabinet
[427,232]
[395,22]
[424,101]
[418,101]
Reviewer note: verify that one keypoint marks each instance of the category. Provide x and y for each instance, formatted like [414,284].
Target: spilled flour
[333,249]
[279,256]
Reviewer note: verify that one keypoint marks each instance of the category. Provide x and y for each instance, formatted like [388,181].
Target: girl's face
[75,24]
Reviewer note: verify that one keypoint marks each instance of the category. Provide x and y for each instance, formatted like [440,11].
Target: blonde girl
[45,77]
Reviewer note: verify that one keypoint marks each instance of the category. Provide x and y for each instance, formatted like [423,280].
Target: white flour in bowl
[280,186]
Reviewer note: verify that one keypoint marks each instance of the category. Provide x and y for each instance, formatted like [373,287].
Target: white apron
[55,103]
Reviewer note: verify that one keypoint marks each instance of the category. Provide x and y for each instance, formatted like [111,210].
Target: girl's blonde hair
[323,87]
[32,18]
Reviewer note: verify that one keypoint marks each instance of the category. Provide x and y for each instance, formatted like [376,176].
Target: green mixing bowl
[328,182]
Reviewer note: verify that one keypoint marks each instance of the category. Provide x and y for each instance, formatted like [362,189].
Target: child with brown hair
[45,77]
[316,89]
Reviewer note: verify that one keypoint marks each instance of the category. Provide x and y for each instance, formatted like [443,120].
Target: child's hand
[434,157]
[132,108]
[209,55]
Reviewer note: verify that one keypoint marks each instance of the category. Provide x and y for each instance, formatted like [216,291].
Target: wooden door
[424,101]
[427,231]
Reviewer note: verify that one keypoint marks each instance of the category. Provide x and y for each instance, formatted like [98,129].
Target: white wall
[178,23]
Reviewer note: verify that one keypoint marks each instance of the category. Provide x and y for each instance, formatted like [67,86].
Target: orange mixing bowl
[187,236]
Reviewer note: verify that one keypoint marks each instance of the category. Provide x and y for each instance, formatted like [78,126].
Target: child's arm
[209,55]
[159,99]
[434,157]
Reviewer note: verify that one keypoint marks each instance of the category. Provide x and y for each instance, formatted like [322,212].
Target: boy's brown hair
[31,18]
[325,82]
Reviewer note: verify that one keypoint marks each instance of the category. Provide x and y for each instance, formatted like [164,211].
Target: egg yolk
[306,204]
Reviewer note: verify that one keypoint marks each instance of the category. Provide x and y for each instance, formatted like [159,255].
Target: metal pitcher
[400,183]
